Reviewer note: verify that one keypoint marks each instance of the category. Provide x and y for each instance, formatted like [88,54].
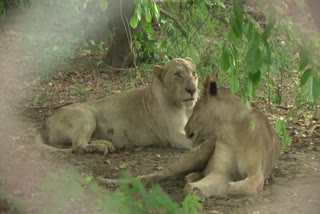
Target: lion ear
[158,72]
[210,87]
[190,60]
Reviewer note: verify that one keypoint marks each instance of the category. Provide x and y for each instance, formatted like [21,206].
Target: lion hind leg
[213,184]
[249,186]
[193,177]
[40,144]
[191,161]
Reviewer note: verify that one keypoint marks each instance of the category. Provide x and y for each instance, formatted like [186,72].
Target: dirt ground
[294,188]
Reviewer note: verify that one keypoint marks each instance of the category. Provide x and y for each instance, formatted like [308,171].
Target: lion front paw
[106,143]
[99,146]
[191,189]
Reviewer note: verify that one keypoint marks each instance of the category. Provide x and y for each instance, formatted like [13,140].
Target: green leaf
[254,57]
[234,82]
[233,38]
[221,4]
[148,15]
[280,126]
[191,204]
[103,4]
[123,166]
[282,132]
[249,31]
[234,50]
[264,68]
[316,86]
[305,76]
[89,179]
[255,78]
[248,88]
[134,21]
[144,3]
[225,58]
[312,86]
[238,20]
[139,12]
[304,59]
[255,41]
[156,11]
[252,126]
[245,100]
[267,31]
[254,60]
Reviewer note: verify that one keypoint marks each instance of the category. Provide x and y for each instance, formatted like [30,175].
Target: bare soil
[26,99]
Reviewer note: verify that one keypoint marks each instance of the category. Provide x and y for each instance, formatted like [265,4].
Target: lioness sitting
[239,151]
[151,116]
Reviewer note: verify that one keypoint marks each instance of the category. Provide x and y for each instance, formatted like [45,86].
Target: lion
[150,116]
[237,147]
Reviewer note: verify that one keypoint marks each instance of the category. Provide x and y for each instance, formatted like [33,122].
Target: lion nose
[191,91]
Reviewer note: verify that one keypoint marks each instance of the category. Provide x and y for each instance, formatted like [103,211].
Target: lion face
[213,109]
[179,81]
[199,126]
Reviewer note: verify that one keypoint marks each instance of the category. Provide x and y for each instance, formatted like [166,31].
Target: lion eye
[178,74]
[194,74]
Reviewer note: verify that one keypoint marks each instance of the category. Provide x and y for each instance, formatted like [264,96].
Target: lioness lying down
[239,151]
[151,116]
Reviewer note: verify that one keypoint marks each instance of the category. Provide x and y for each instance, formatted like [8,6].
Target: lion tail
[40,141]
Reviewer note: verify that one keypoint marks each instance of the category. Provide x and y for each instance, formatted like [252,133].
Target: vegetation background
[54,53]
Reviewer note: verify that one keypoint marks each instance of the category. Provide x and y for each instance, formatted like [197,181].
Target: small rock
[123,166]
[158,168]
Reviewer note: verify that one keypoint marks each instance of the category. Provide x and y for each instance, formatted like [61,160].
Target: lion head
[178,81]
[215,107]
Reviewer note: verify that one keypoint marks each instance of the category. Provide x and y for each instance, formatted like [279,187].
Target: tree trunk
[112,23]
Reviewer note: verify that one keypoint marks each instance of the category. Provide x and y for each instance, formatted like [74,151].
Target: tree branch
[174,19]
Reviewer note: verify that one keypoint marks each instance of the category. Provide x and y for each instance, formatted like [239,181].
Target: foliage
[144,39]
[282,132]
[131,197]
[221,36]
[64,185]
[7,202]
[14,205]
[81,92]
[191,204]
[2,9]
[311,81]
[144,8]
[250,51]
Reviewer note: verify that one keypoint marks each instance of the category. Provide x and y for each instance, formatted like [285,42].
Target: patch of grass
[131,197]
[48,96]
[81,92]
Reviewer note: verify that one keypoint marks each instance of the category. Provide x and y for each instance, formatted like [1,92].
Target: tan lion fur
[151,116]
[238,147]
